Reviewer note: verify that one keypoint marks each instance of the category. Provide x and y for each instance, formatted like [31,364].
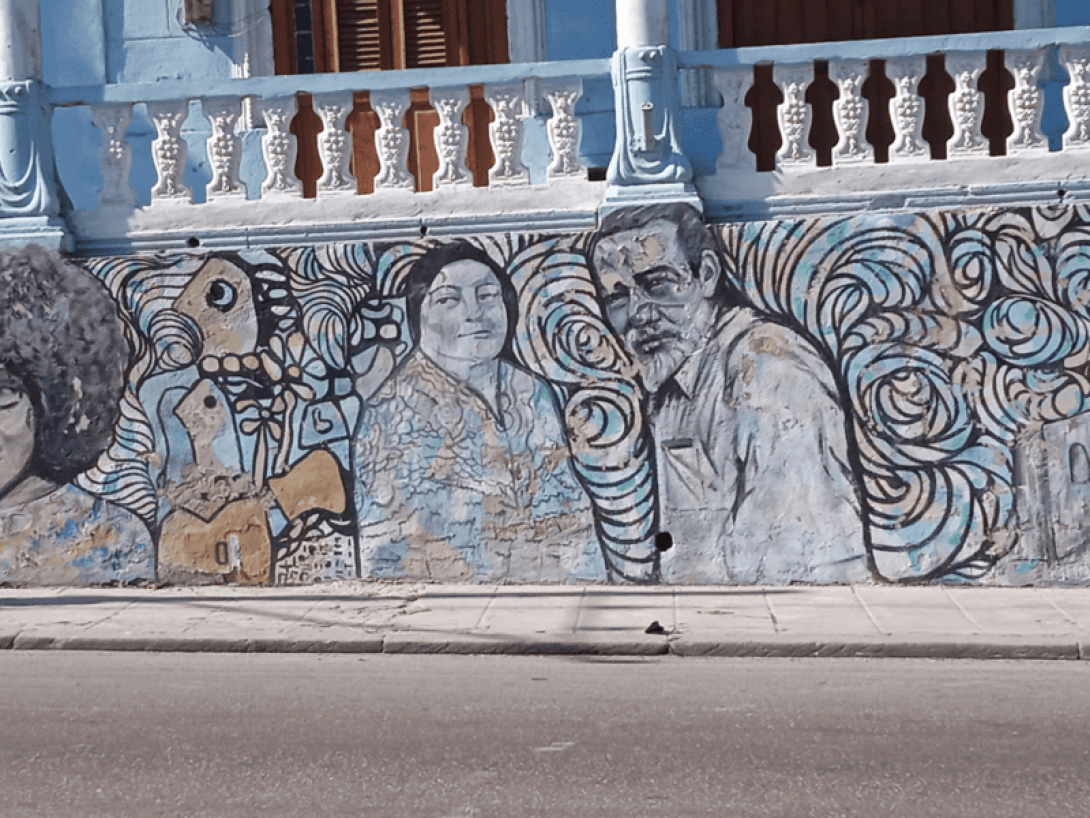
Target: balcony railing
[916,122]
[442,150]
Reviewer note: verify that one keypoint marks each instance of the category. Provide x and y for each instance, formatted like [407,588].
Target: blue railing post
[648,163]
[29,204]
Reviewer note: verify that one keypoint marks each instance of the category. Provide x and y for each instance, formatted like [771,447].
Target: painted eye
[221,295]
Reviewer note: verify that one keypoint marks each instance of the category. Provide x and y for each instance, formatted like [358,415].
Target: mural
[897,397]
[62,360]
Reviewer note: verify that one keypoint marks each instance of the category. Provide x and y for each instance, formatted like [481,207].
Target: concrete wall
[891,396]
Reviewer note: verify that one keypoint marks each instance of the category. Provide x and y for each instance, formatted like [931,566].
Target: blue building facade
[623,306]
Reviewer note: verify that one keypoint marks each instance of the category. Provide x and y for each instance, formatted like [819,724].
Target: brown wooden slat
[421,119]
[936,16]
[815,18]
[308,162]
[486,29]
[823,134]
[725,12]
[911,19]
[963,17]
[283,36]
[788,21]
[985,15]
[865,19]
[996,83]
[878,90]
[457,19]
[765,23]
[362,124]
[745,23]
[479,156]
[1005,15]
[888,21]
[763,98]
[840,24]
[935,88]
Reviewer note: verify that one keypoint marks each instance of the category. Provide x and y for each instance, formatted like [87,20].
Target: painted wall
[890,396]
[1072,12]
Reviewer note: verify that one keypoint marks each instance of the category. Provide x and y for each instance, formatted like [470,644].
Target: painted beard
[661,347]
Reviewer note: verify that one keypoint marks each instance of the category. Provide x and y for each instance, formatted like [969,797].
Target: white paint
[642,22]
[526,30]
[251,28]
[697,30]
[387,214]
[20,40]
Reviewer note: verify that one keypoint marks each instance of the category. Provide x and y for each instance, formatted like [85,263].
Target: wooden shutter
[427,32]
[359,38]
[782,22]
[371,35]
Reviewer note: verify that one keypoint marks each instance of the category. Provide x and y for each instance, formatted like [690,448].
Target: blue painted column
[29,206]
[648,163]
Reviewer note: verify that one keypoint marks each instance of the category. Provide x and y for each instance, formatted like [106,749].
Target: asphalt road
[118,735]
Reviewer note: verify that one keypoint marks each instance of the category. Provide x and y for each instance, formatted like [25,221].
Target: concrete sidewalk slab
[929,610]
[736,613]
[625,613]
[1073,603]
[1012,612]
[372,617]
[832,610]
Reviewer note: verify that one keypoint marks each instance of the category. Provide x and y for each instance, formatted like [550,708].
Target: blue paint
[73,42]
[535,149]
[580,29]
[1072,12]
[252,169]
[77,144]
[700,138]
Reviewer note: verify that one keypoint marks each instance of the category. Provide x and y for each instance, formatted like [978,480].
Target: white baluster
[907,109]
[565,131]
[794,113]
[967,104]
[850,110]
[279,147]
[734,118]
[224,147]
[169,150]
[392,140]
[335,143]
[1076,59]
[115,156]
[1027,101]
[505,133]
[451,137]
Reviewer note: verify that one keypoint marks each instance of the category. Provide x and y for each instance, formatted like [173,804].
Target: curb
[1057,650]
[406,643]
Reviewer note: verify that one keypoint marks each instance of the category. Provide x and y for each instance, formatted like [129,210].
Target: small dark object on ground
[655,628]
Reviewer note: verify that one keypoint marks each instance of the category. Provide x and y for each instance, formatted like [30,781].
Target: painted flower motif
[291,364]
[259,417]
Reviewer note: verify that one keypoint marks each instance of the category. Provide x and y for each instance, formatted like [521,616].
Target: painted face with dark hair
[463,319]
[656,302]
[17,429]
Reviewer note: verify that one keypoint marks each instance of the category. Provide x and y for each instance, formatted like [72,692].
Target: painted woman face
[17,426]
[463,316]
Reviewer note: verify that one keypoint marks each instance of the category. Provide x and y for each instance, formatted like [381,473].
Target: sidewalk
[374,617]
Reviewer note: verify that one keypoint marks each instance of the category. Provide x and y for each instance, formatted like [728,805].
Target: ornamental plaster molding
[115,156]
[279,147]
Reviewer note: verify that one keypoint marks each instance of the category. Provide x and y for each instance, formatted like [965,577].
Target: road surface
[262,736]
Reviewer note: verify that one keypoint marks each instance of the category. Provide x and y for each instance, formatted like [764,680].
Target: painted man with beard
[755,484]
